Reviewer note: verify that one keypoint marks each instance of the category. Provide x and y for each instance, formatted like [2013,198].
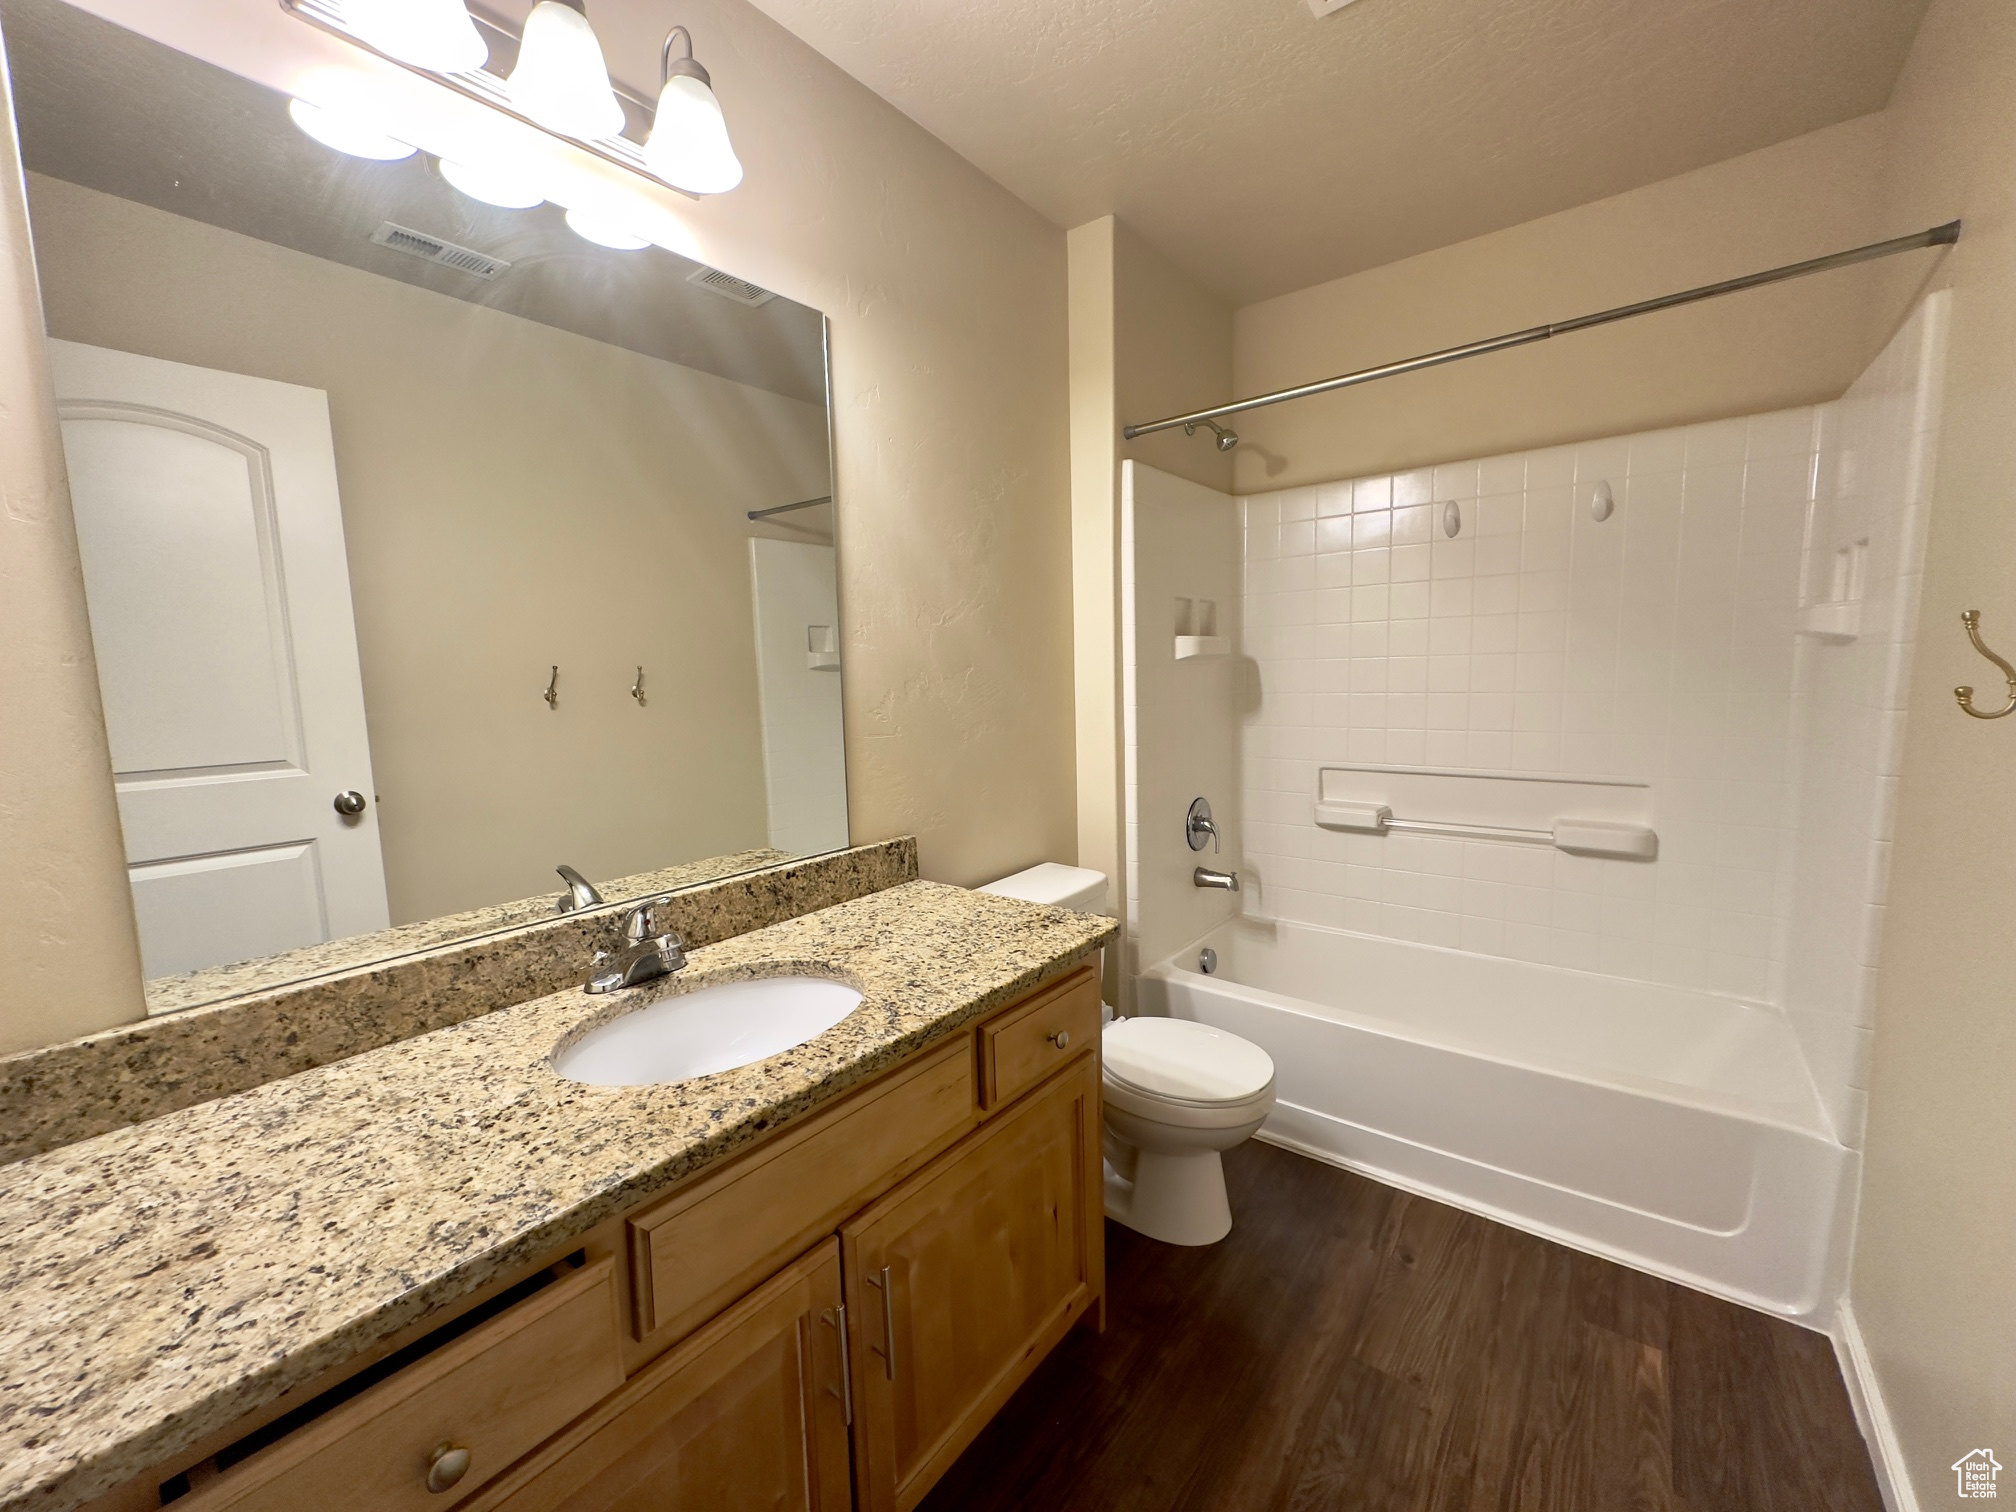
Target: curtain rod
[777,509]
[1937,236]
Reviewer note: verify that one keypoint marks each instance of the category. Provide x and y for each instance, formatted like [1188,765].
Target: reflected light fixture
[689,146]
[346,133]
[605,231]
[561,80]
[431,34]
[503,187]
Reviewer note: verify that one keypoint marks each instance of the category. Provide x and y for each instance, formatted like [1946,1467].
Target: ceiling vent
[728,286]
[435,250]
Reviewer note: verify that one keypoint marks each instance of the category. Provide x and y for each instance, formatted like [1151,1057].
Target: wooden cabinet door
[747,1415]
[963,1278]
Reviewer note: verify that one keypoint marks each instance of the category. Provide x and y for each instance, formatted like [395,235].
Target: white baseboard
[1871,1413]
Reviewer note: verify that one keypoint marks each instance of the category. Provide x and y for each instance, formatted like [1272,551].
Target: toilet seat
[1185,1074]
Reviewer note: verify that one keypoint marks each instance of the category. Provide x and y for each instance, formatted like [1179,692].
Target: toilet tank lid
[1061,886]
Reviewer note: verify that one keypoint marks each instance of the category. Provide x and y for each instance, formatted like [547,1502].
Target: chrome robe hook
[552,693]
[1963,694]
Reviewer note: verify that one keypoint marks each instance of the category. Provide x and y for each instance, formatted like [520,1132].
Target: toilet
[1177,1094]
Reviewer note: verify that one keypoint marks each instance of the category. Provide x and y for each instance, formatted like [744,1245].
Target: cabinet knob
[1061,1039]
[447,1465]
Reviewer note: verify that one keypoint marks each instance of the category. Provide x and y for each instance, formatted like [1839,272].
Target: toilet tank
[1074,887]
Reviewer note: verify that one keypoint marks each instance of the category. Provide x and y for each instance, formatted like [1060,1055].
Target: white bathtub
[1675,1131]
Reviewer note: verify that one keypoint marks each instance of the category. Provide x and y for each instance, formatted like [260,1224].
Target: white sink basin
[712,1029]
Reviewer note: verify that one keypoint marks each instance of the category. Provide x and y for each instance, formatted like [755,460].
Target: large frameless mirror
[428,544]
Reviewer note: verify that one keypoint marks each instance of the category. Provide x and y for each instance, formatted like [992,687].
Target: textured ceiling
[103,107]
[1266,150]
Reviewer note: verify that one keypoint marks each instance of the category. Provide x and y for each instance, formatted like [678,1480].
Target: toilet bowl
[1178,1094]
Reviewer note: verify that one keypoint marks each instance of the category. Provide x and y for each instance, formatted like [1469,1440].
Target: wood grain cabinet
[963,1278]
[747,1415]
[822,1323]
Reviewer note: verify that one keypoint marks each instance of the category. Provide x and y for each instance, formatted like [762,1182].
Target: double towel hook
[1963,694]
[552,693]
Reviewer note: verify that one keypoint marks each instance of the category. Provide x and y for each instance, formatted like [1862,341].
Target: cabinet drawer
[498,1391]
[702,1248]
[1021,1047]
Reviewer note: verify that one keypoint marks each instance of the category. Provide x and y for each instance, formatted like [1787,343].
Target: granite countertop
[157,1282]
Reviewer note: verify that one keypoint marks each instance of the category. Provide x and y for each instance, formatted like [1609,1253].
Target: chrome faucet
[1205,877]
[580,891]
[647,954]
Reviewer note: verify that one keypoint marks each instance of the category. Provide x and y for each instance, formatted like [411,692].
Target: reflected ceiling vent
[435,250]
[728,286]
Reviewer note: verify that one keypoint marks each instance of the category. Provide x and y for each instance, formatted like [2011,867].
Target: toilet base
[1179,1199]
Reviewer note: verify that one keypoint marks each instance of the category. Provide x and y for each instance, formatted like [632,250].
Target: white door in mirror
[212,538]
[709,1030]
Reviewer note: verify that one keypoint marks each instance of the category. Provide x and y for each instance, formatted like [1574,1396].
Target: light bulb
[604,231]
[503,187]
[561,80]
[431,34]
[346,133]
[689,146]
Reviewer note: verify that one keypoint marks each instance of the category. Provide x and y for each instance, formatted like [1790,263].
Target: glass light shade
[346,133]
[689,146]
[605,231]
[503,187]
[561,80]
[435,34]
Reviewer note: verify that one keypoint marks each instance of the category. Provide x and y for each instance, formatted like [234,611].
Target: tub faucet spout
[1205,877]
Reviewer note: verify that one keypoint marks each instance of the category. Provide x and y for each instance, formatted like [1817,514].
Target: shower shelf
[1191,646]
[1833,623]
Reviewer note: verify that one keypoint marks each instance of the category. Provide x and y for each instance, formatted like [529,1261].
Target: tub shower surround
[85,1087]
[1663,645]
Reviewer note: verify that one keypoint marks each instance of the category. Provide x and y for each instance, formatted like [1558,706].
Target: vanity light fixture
[689,146]
[562,81]
[503,187]
[604,230]
[347,134]
[437,35]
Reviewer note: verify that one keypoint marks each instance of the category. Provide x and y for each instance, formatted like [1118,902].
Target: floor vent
[728,286]
[435,250]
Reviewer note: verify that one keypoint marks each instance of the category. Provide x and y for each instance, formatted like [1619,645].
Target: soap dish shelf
[1833,622]
[1189,647]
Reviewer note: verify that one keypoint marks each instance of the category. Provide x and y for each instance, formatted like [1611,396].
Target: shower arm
[1936,236]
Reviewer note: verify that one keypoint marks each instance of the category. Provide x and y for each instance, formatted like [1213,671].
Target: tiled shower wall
[1659,645]
[1656,645]
[1875,483]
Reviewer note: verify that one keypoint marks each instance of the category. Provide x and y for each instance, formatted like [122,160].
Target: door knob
[350,803]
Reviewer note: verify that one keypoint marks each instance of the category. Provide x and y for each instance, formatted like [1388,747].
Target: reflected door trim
[211,530]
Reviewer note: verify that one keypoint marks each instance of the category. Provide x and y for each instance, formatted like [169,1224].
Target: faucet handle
[641,923]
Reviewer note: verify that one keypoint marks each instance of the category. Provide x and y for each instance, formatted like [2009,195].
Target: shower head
[1227,439]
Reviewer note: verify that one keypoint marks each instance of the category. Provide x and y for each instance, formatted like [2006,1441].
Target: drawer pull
[446,1465]
[1061,1039]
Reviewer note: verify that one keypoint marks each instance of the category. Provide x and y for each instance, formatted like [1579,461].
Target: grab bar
[1580,837]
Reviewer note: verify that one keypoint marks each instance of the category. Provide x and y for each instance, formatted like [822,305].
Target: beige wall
[1144,336]
[514,496]
[1934,1284]
[1762,350]
[69,958]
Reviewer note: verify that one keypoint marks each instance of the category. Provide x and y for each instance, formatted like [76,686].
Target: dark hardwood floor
[1354,1347]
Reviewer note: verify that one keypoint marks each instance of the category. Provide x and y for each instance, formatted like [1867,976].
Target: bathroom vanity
[440,1275]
